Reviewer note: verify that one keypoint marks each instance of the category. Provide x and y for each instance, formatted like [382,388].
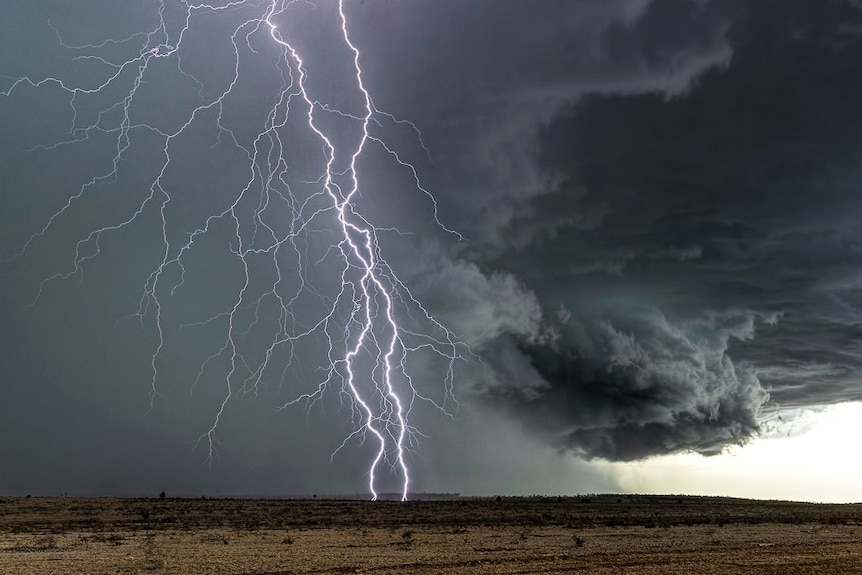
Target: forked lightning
[370,321]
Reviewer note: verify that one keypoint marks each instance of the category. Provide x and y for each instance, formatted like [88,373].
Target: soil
[599,534]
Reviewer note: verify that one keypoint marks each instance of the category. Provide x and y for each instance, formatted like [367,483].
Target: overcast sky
[655,247]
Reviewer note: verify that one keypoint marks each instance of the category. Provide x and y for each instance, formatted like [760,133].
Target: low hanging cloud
[627,386]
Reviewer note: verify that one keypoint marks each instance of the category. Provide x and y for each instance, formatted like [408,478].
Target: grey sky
[659,200]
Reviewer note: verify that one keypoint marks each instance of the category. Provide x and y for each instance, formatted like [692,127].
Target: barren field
[598,534]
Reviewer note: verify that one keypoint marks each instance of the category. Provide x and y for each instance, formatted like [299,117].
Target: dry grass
[540,535]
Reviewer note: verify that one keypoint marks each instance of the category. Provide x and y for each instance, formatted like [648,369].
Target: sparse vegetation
[548,534]
[45,543]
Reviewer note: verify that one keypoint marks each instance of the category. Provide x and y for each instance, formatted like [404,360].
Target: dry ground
[604,534]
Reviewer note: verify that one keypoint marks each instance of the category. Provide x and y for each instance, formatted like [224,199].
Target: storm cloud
[702,237]
[635,385]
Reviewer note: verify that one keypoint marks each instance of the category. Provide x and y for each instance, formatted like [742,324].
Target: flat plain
[606,534]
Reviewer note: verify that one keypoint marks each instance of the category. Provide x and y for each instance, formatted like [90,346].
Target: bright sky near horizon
[811,464]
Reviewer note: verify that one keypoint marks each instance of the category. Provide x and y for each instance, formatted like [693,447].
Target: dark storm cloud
[735,199]
[487,75]
[632,384]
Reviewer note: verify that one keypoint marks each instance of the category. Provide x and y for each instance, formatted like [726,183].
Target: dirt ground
[598,534]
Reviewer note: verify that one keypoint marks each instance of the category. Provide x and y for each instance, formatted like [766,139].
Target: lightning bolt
[371,323]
